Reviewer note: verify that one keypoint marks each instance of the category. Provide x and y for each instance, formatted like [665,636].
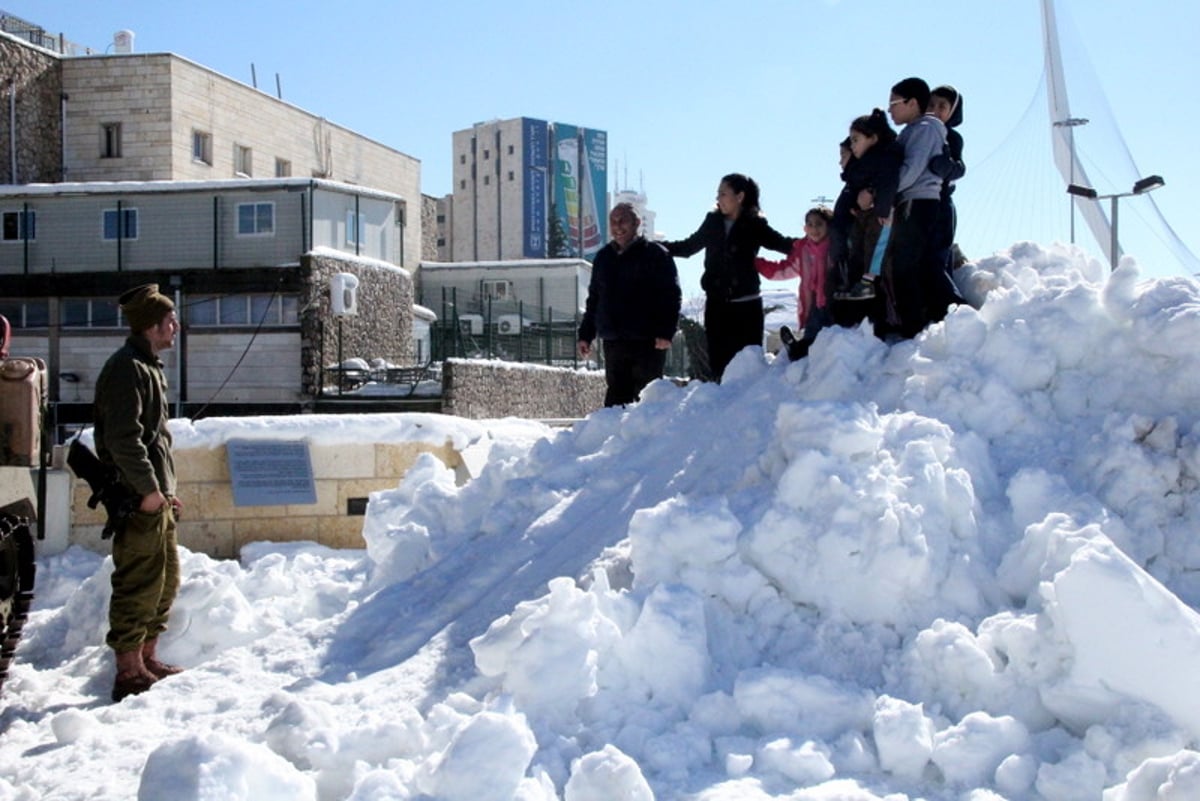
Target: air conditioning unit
[343,294]
[511,323]
[471,324]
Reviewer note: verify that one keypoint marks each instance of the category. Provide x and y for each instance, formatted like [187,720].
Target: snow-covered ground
[958,568]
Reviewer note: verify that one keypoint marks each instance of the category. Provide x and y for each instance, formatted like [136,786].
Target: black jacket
[949,166]
[878,169]
[729,271]
[633,294]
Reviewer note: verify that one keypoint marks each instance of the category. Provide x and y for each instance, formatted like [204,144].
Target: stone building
[125,167]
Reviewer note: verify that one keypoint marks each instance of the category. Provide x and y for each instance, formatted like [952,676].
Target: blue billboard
[535,136]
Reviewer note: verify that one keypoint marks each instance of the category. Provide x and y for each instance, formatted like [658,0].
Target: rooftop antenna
[253,76]
[278,87]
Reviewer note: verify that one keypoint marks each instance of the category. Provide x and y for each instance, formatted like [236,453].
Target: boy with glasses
[917,278]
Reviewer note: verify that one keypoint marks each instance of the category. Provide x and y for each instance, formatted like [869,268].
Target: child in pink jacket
[808,261]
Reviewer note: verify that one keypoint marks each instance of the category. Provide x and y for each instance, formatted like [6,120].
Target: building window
[356,227]
[243,161]
[441,242]
[283,168]
[202,147]
[462,158]
[26,313]
[213,311]
[486,154]
[511,175]
[255,219]
[122,224]
[497,289]
[110,140]
[441,218]
[487,180]
[17,226]
[85,313]
[510,150]
[462,184]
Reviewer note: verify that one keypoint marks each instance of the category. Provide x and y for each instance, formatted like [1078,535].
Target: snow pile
[953,568]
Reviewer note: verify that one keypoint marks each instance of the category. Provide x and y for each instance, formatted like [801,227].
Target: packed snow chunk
[303,734]
[607,775]
[1173,778]
[397,544]
[1079,777]
[215,767]
[1016,774]
[486,760]
[874,518]
[903,737]
[213,611]
[785,702]
[546,651]
[1044,551]
[73,725]
[667,649]
[1112,615]
[969,753]
[805,764]
[947,664]
[682,540]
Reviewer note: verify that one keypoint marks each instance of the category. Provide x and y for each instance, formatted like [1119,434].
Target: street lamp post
[1140,187]
[1070,123]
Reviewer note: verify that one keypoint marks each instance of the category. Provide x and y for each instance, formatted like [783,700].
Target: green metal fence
[482,328]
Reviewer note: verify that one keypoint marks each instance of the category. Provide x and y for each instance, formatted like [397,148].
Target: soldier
[131,414]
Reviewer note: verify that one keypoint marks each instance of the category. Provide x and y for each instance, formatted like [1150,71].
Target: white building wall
[161,100]
[489,185]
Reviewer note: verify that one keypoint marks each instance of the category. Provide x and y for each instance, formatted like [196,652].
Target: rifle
[119,501]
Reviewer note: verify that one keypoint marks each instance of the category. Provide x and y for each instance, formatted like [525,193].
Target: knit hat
[145,307]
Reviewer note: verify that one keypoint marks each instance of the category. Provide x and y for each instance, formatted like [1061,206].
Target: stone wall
[344,475]
[36,77]
[482,390]
[382,329]
[429,228]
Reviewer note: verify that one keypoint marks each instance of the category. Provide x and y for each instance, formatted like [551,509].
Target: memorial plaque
[269,472]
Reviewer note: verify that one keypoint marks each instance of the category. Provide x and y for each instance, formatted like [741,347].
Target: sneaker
[786,336]
[863,290]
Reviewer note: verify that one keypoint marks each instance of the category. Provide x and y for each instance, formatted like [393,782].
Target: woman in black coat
[731,236]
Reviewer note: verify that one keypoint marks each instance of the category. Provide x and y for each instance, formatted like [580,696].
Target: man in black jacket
[633,305]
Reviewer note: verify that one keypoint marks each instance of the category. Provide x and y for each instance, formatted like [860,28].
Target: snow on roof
[227,184]
[505,264]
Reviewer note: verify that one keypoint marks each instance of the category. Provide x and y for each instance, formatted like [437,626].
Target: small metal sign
[269,472]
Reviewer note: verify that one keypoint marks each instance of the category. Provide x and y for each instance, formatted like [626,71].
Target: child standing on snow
[866,201]
[808,260]
[945,103]
[920,287]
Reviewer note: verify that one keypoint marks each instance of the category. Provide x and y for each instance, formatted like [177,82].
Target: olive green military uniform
[131,414]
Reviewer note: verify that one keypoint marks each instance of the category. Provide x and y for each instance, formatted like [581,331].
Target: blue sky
[689,91]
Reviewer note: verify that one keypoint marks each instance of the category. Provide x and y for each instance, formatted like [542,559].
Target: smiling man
[633,306]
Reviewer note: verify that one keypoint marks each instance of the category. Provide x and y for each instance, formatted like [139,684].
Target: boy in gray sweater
[918,283]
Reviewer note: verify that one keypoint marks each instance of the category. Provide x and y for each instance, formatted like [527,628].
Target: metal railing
[482,328]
